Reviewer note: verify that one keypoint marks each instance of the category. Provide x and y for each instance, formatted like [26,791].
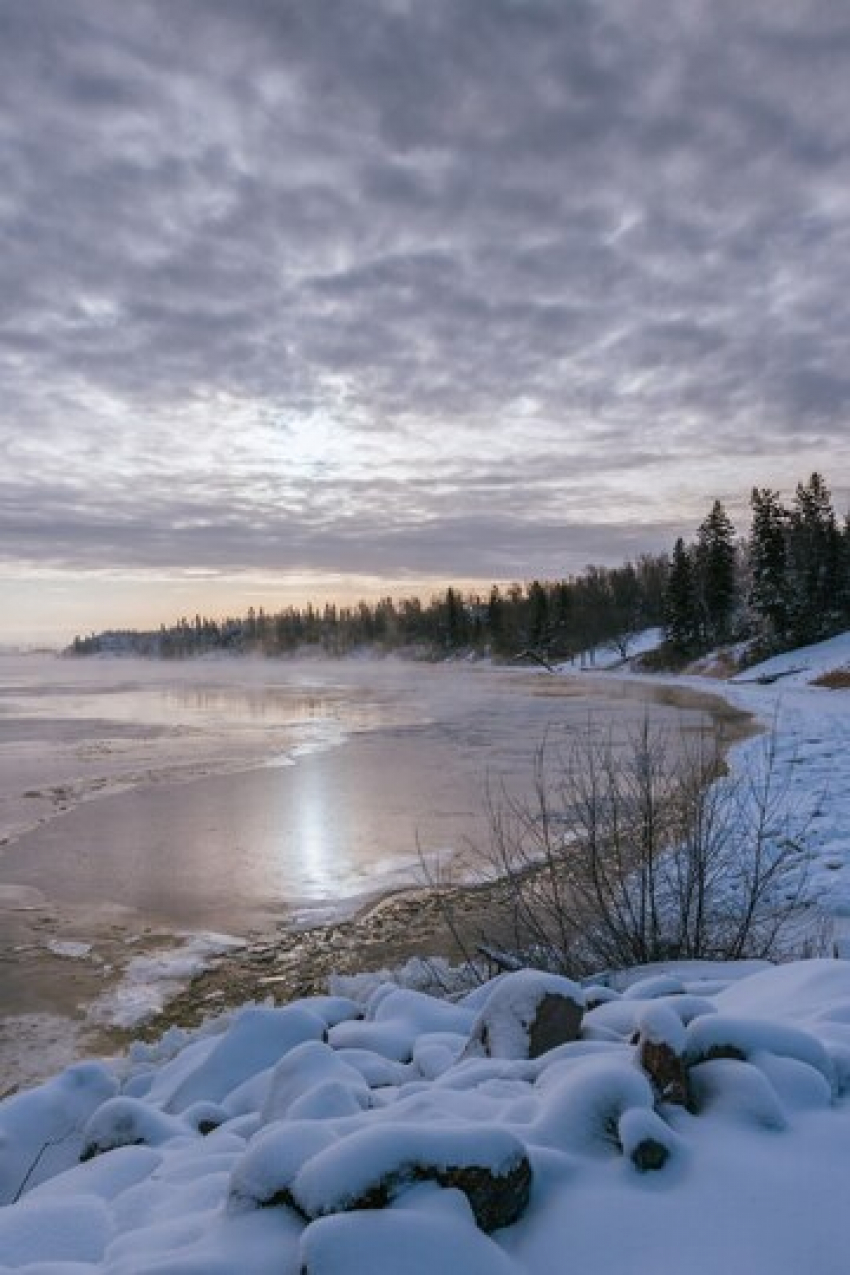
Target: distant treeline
[787,583]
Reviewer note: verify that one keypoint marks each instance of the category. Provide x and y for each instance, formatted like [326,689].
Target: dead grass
[837,679]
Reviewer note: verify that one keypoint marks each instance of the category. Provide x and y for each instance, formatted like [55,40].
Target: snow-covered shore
[351,1134]
[410,1135]
[121,850]
[807,728]
[804,737]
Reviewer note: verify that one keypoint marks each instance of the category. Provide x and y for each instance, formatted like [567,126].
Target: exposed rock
[527,1014]
[368,1169]
[646,1140]
[649,1156]
[496,1200]
[557,1021]
[666,1069]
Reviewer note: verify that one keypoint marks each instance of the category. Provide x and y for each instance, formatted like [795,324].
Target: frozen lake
[211,793]
[140,801]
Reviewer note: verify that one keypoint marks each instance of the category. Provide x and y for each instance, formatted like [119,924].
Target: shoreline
[386,931]
[280,957]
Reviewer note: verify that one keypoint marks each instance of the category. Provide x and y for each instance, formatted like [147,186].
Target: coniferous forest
[783,584]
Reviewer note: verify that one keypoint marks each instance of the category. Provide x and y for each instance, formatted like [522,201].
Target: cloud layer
[460,289]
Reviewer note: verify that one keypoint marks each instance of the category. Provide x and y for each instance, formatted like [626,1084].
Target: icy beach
[691,1112]
[151,812]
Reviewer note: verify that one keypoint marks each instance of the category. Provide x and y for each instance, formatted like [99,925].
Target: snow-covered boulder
[661,1042]
[396,1018]
[583,1102]
[215,1067]
[526,1014]
[724,1036]
[128,1122]
[308,1068]
[205,1117]
[645,1139]
[41,1130]
[263,1176]
[738,1091]
[372,1166]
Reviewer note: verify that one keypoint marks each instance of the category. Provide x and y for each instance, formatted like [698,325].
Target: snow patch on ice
[150,981]
[69,948]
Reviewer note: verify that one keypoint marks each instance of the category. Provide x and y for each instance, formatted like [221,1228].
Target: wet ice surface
[145,804]
[230,787]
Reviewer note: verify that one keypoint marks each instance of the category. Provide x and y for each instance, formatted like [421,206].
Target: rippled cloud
[460,289]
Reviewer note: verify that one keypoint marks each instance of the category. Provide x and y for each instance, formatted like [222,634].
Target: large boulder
[527,1014]
[368,1169]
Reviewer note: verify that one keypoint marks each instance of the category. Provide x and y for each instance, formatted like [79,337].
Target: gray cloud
[475,289]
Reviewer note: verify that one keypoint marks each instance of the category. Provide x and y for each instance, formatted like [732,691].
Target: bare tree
[626,854]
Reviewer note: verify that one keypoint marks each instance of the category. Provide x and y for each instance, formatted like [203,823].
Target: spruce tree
[538,617]
[814,562]
[769,593]
[456,629]
[681,622]
[844,599]
[717,575]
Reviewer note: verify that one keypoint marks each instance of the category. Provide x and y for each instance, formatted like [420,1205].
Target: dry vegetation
[837,679]
[641,854]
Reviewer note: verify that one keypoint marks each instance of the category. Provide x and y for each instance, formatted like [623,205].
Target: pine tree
[769,593]
[495,619]
[717,575]
[681,620]
[455,620]
[538,617]
[814,562]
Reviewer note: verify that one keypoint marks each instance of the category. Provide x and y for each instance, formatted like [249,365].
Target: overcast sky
[335,295]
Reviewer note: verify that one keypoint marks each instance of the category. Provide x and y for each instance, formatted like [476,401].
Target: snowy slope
[244,1148]
[809,729]
[804,665]
[806,740]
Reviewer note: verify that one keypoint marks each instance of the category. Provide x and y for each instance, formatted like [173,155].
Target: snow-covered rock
[261,1148]
[661,1043]
[41,1130]
[372,1166]
[526,1014]
[128,1122]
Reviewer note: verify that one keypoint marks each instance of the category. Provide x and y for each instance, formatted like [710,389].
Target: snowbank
[807,747]
[808,733]
[802,666]
[270,1142]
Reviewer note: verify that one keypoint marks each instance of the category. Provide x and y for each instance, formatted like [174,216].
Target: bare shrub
[649,851]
